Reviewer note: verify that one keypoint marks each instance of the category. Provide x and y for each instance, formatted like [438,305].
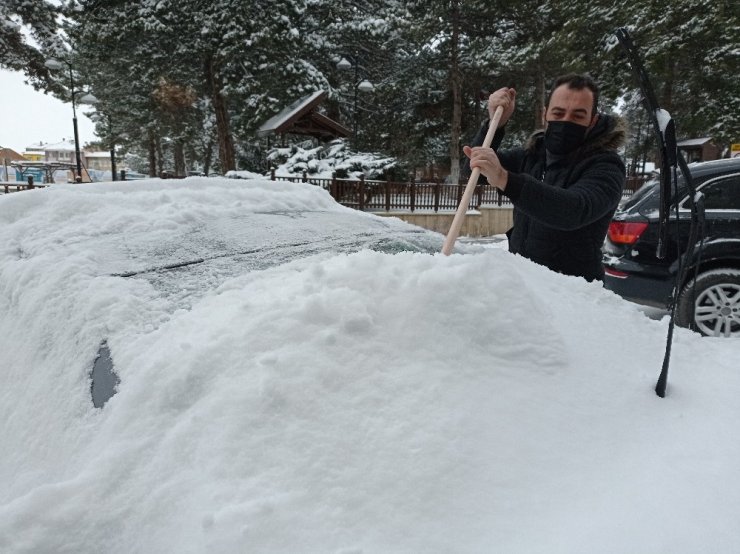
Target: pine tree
[692,51]
[119,50]
[432,63]
[16,51]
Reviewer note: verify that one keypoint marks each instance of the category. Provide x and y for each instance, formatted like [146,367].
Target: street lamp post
[363,86]
[88,98]
[112,153]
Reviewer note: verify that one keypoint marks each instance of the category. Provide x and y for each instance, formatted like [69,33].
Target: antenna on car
[671,160]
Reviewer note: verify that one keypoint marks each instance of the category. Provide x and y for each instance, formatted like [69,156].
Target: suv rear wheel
[713,306]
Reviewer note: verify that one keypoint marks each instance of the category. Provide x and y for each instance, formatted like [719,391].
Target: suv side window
[722,194]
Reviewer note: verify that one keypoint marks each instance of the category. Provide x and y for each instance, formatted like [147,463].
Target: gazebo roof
[301,118]
[693,142]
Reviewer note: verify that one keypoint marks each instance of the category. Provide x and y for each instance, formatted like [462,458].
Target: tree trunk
[207,157]
[160,156]
[540,97]
[179,153]
[225,141]
[152,155]
[456,86]
[670,76]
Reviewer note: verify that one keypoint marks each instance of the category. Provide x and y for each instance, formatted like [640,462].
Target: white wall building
[63,151]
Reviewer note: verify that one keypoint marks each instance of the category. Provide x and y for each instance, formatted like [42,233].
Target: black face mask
[563,137]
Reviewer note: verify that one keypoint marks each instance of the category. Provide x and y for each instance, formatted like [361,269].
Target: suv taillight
[621,232]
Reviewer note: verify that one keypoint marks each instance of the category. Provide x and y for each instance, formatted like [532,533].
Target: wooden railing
[15,186]
[634,182]
[372,195]
[368,195]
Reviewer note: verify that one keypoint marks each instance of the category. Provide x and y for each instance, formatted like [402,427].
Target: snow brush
[469,189]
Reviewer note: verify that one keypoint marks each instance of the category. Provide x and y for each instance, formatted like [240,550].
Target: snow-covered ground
[360,402]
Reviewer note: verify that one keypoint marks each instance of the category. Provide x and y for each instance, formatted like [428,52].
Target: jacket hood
[609,133]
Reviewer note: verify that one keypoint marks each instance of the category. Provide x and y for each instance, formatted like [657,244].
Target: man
[565,184]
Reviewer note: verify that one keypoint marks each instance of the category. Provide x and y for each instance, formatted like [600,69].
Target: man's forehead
[564,96]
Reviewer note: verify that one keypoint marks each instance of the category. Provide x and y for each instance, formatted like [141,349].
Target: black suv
[711,303]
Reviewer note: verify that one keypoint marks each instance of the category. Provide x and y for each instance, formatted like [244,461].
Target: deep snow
[353,403]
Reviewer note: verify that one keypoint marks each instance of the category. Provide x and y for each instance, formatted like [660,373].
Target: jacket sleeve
[510,159]
[595,193]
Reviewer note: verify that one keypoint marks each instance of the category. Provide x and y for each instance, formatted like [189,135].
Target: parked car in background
[708,300]
[134,175]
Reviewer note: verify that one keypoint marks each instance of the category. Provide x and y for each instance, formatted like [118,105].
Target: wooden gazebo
[302,118]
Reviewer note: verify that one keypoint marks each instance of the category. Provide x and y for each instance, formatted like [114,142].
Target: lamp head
[365,86]
[344,64]
[88,98]
[53,64]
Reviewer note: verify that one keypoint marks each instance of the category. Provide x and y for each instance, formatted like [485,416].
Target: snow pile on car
[361,402]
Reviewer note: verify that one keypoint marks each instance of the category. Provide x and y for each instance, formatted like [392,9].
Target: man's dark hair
[576,82]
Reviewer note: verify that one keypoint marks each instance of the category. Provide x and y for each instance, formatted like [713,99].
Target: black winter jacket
[562,210]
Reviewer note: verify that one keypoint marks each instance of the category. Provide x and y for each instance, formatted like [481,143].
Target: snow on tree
[432,65]
[28,33]
[692,50]
[333,158]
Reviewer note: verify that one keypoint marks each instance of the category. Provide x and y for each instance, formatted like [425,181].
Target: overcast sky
[29,117]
